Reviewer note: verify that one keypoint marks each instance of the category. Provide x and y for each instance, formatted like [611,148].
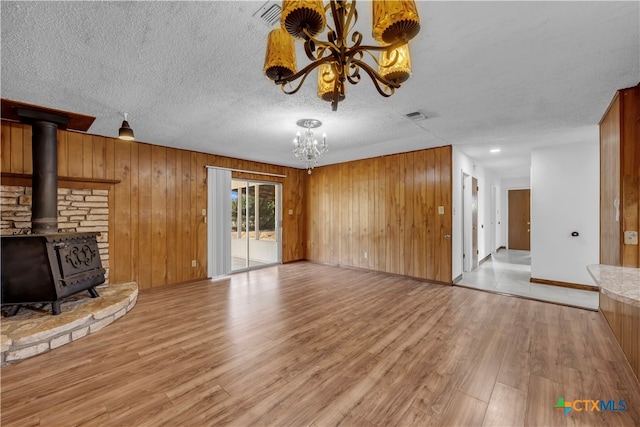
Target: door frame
[278,221]
[507,190]
[475,244]
[467,222]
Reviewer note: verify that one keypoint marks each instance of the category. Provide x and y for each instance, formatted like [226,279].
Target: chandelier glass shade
[307,148]
[341,57]
[326,83]
[281,60]
[396,64]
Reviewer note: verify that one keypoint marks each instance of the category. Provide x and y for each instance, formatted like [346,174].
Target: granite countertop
[620,283]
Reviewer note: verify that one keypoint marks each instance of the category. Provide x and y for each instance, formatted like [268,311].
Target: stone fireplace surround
[79,210]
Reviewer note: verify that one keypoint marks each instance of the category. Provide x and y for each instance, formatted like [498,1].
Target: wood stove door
[79,265]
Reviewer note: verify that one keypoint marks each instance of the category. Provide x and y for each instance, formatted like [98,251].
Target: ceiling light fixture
[125,132]
[394,24]
[308,150]
[494,150]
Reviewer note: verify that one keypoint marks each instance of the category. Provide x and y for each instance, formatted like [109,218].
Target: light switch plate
[630,237]
[441,210]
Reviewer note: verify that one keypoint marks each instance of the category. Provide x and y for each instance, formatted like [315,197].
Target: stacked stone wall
[79,210]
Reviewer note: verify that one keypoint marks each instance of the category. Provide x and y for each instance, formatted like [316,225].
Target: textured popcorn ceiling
[514,75]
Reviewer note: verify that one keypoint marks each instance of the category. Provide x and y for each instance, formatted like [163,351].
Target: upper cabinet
[620,180]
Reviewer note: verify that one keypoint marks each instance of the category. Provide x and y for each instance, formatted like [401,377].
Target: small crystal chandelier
[308,149]
[395,23]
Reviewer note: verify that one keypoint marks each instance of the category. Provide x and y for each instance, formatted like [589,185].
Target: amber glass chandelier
[338,61]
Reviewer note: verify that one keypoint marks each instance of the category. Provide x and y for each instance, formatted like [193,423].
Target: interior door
[520,219]
[474,223]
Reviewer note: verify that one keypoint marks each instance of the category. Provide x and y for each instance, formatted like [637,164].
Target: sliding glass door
[255,224]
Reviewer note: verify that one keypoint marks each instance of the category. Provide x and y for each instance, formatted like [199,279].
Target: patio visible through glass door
[255,219]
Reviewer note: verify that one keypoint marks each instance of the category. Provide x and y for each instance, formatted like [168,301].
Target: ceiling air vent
[417,116]
[269,13]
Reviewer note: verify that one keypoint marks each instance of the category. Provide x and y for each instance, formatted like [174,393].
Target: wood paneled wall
[624,320]
[386,207]
[620,175]
[156,224]
[610,248]
[630,170]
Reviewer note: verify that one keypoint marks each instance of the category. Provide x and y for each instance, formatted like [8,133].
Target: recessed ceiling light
[494,150]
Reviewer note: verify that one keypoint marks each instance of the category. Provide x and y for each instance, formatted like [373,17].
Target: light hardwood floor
[306,344]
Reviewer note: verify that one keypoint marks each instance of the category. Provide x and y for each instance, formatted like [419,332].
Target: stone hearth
[34,330]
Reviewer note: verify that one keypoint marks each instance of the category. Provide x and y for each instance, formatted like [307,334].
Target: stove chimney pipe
[44,214]
[44,143]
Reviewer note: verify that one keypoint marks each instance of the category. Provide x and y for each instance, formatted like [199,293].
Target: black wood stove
[46,266]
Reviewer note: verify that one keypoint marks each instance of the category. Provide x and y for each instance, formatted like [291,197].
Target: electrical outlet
[630,237]
[193,263]
[366,255]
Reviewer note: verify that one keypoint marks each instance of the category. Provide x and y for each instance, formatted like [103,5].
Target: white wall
[463,164]
[565,182]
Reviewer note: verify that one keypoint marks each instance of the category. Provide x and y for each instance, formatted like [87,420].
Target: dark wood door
[519,219]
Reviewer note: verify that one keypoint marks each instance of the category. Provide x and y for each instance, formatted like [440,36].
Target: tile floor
[508,271]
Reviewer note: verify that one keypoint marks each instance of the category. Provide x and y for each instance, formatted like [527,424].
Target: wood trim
[485,259]
[386,273]
[491,291]
[77,121]
[501,247]
[564,284]
[294,261]
[22,177]
[243,172]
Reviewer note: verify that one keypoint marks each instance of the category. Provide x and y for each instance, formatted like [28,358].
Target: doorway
[474,223]
[255,224]
[469,222]
[519,224]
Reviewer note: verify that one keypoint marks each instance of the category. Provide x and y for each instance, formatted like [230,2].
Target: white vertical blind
[219,222]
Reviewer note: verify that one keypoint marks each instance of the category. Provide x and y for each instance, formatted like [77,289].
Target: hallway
[508,272]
